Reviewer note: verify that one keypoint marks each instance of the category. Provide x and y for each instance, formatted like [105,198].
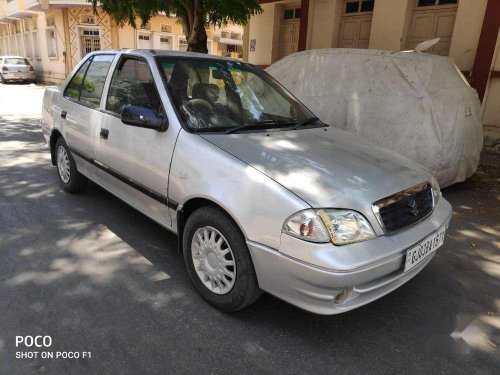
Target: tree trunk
[198,43]
[193,25]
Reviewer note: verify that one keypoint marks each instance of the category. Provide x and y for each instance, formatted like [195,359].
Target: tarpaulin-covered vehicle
[416,104]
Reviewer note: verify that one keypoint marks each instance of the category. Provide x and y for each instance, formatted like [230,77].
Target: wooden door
[429,22]
[289,38]
[355,24]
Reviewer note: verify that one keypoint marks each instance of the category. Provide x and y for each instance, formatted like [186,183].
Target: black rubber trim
[136,185]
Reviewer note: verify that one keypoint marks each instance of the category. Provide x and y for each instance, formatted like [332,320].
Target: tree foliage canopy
[194,15]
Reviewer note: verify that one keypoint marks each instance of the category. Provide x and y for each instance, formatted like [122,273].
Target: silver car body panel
[259,179]
[328,168]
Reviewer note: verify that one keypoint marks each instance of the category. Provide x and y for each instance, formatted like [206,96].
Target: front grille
[405,208]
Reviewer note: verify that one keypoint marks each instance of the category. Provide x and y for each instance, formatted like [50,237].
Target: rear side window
[88,82]
[16,61]
[132,83]
[93,84]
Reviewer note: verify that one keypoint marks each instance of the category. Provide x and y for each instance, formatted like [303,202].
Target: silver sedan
[262,194]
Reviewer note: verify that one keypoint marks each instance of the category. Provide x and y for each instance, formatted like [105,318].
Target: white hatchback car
[262,194]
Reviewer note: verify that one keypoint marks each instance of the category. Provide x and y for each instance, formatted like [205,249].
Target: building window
[27,45]
[146,26]
[36,48]
[358,6]
[50,21]
[183,45]
[90,41]
[233,51]
[144,41]
[88,19]
[431,3]
[290,14]
[166,42]
[164,28]
[19,39]
[51,42]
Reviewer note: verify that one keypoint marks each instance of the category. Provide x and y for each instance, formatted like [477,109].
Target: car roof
[153,52]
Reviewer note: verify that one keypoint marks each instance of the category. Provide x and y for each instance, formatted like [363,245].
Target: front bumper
[368,271]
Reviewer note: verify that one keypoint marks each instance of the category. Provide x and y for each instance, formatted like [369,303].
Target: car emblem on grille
[412,205]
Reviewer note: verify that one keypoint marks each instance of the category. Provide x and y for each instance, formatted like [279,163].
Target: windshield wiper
[259,125]
[310,120]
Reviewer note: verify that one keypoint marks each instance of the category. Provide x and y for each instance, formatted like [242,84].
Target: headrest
[206,91]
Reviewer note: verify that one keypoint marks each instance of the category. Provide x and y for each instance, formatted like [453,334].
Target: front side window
[218,95]
[132,83]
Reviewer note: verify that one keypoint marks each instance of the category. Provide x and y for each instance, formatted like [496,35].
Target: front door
[137,159]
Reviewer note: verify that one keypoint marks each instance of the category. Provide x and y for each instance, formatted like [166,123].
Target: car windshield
[16,61]
[220,95]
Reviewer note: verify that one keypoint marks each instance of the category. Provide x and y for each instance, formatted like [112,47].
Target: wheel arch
[54,136]
[193,204]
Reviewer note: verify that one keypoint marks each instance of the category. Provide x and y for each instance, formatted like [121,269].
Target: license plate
[425,248]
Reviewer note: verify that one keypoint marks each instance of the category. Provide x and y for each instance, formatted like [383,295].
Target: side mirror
[143,117]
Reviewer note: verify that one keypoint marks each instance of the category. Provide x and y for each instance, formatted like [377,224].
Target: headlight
[436,191]
[339,226]
[307,226]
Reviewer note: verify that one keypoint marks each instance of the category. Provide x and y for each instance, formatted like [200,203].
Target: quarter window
[132,83]
[93,83]
[88,82]
[72,91]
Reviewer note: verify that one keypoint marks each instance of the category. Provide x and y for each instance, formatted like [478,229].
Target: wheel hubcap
[63,164]
[213,260]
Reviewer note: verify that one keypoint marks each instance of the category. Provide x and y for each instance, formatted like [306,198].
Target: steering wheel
[198,105]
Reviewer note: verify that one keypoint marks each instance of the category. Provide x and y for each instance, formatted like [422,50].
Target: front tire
[218,260]
[71,180]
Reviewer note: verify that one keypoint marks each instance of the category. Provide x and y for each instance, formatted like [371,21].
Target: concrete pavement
[99,277]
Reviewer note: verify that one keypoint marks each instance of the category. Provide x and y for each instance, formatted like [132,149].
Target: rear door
[137,160]
[79,110]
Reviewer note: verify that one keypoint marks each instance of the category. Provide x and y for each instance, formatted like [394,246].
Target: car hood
[326,167]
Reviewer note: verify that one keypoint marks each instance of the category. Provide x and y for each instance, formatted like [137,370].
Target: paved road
[98,276]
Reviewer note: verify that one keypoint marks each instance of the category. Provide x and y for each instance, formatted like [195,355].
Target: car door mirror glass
[143,117]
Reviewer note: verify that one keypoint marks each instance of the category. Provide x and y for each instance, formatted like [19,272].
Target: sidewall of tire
[77,181]
[245,290]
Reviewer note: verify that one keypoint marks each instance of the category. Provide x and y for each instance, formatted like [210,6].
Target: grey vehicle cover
[413,103]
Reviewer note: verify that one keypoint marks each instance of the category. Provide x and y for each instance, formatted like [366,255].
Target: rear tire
[2,80]
[211,275]
[71,180]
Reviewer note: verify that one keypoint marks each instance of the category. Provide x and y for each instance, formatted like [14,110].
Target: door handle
[104,133]
[63,114]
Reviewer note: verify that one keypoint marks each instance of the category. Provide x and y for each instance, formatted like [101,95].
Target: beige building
[55,35]
[468,32]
